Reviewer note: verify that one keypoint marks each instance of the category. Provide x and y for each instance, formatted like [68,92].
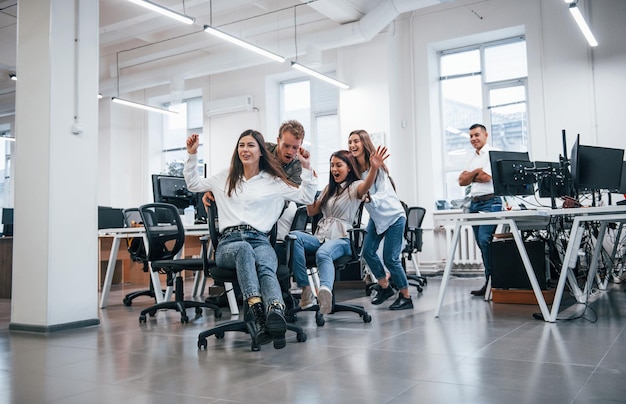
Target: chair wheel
[319,319]
[184,319]
[202,344]
[425,281]
[127,302]
[219,335]
[198,311]
[255,347]
[301,337]
[218,313]
[142,318]
[291,318]
[152,313]
[367,318]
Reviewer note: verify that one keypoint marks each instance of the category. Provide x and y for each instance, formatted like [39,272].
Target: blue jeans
[392,249]
[253,257]
[484,234]
[325,254]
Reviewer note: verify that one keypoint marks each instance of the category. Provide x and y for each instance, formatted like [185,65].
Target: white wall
[394,86]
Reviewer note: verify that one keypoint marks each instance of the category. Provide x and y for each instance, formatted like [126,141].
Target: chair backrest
[164,229]
[300,219]
[136,249]
[413,228]
[415,216]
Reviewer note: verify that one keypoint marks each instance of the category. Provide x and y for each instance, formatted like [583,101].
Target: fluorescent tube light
[578,17]
[164,11]
[143,106]
[319,75]
[240,42]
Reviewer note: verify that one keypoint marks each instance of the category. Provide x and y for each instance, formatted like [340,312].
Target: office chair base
[291,314]
[180,306]
[128,299]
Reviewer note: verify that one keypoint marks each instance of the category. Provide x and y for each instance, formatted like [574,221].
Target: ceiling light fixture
[578,17]
[185,19]
[12,76]
[240,42]
[319,75]
[145,107]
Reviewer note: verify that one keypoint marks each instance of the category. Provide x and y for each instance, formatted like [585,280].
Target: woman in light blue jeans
[338,203]
[387,220]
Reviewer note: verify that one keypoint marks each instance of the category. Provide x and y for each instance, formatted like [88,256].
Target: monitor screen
[596,167]
[622,187]
[508,173]
[172,189]
[7,221]
[554,176]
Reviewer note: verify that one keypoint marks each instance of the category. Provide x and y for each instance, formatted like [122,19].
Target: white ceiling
[147,49]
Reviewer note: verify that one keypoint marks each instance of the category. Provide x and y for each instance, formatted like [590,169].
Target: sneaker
[402,303]
[276,325]
[382,295]
[306,298]
[325,299]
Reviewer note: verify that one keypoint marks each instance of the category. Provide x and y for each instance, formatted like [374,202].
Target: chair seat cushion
[190,264]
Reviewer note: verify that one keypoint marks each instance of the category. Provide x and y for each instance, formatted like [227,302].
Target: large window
[176,129]
[485,84]
[5,165]
[314,105]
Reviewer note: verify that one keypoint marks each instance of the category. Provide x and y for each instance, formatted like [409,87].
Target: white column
[55,250]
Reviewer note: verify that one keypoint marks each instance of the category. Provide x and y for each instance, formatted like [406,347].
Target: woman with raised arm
[250,196]
[387,219]
[338,203]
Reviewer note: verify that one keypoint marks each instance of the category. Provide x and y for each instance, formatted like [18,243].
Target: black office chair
[166,236]
[228,276]
[413,235]
[354,260]
[137,252]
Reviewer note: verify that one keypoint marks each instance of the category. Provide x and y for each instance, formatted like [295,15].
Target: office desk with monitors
[118,234]
[539,219]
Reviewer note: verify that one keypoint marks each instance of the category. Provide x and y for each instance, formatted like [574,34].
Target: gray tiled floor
[476,352]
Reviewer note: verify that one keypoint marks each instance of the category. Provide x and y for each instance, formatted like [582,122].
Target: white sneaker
[306,298]
[325,299]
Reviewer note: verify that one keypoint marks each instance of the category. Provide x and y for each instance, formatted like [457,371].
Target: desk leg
[448,268]
[609,270]
[108,277]
[597,253]
[530,272]
[569,251]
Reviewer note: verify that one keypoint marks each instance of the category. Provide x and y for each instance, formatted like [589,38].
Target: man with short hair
[478,175]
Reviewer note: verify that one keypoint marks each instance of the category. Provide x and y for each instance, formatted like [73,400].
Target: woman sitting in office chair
[250,196]
[338,203]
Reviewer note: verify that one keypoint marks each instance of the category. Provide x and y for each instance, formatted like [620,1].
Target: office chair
[166,236]
[353,260]
[137,252]
[413,237]
[228,277]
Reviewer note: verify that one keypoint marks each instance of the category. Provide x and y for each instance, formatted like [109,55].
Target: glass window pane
[460,63]
[504,62]
[509,127]
[194,113]
[507,95]
[296,96]
[327,142]
[464,90]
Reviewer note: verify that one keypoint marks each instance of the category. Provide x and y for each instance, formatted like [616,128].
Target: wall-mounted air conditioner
[222,106]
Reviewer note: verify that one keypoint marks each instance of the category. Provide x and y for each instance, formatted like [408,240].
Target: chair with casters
[228,277]
[413,235]
[137,252]
[166,236]
[353,260]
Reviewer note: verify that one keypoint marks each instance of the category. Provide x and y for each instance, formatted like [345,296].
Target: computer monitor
[595,168]
[622,187]
[7,221]
[552,174]
[172,189]
[509,175]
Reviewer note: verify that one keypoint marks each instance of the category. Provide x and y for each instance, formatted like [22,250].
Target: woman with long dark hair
[338,203]
[250,196]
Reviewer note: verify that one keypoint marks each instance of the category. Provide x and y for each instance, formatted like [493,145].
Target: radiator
[467,251]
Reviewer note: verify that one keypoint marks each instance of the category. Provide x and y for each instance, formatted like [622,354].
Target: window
[176,129]
[5,166]
[314,105]
[486,84]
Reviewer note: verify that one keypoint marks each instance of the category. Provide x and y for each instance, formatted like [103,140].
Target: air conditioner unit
[222,106]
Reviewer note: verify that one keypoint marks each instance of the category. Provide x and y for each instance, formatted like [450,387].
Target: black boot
[262,337]
[276,324]
[481,291]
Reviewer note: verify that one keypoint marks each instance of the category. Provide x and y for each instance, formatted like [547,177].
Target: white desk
[536,219]
[123,233]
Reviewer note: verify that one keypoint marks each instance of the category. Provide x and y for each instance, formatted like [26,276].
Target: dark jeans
[484,234]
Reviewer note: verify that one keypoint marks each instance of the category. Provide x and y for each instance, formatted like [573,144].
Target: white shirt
[481,159]
[257,201]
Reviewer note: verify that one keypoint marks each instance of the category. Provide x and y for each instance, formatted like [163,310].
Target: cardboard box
[520,296]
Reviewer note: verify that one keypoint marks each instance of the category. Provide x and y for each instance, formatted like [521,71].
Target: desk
[122,233]
[536,219]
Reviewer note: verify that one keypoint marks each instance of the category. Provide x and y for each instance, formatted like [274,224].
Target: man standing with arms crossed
[478,175]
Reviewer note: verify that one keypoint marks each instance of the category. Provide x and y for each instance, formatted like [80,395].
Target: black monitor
[552,175]
[596,168]
[172,189]
[7,221]
[622,187]
[508,172]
